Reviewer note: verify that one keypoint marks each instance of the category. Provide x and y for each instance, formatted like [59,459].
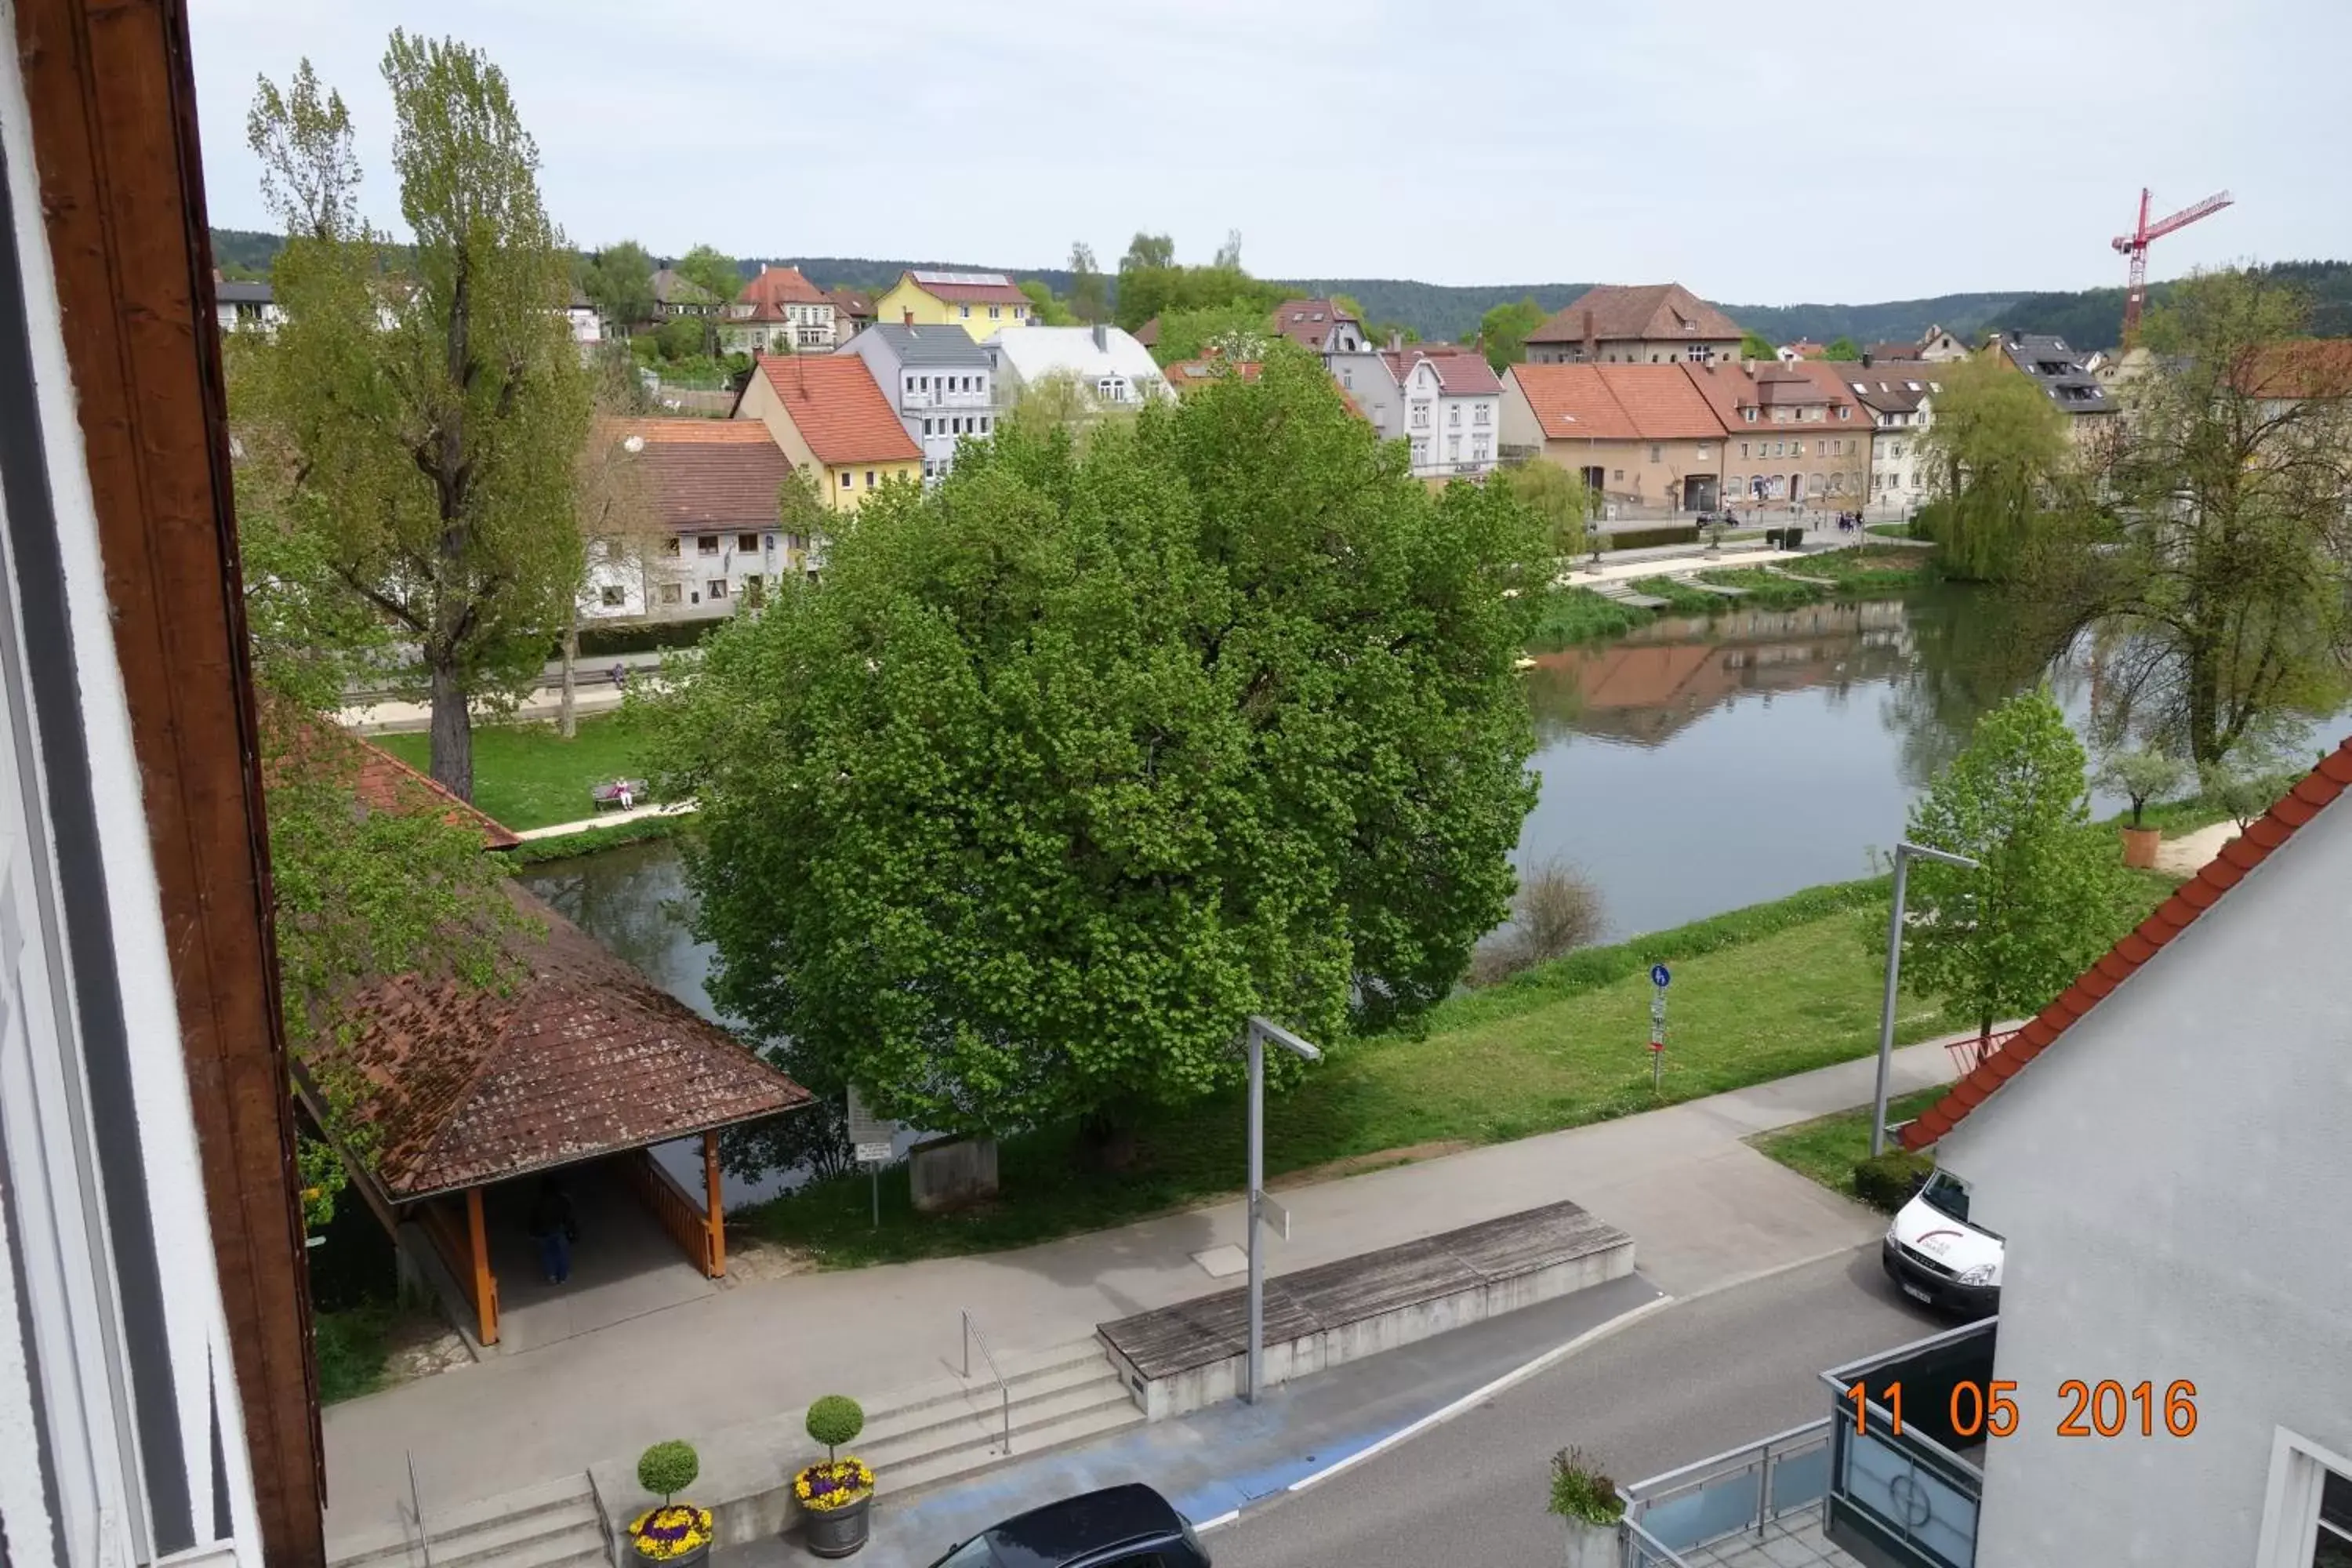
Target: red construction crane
[2135,246]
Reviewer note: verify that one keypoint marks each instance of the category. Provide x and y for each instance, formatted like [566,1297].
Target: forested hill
[2088,318]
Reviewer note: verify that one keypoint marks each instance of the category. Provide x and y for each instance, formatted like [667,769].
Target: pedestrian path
[1703,1207]
[608,819]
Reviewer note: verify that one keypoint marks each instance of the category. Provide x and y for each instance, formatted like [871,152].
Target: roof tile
[832,400]
[1653,310]
[706,473]
[2326,783]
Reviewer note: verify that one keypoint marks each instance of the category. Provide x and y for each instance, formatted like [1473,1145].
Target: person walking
[554,1227]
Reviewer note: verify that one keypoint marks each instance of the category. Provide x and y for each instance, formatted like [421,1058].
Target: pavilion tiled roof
[2321,787]
[579,1056]
[707,473]
[839,410]
[383,783]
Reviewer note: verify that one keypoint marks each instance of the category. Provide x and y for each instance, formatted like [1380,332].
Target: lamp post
[1260,1031]
[1903,853]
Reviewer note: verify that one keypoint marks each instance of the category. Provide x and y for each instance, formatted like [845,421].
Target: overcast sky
[1758,154]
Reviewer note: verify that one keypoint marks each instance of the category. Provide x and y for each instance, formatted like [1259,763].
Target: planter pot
[835,1532]
[701,1554]
[1592,1545]
[2139,846]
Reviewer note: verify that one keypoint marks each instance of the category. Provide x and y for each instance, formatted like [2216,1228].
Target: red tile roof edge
[373,788]
[2325,784]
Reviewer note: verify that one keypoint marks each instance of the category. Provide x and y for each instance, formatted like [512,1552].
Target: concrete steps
[1622,594]
[921,1436]
[1720,590]
[550,1526]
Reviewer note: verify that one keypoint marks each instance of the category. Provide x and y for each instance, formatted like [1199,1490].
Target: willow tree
[2225,600]
[1082,755]
[1998,459]
[431,415]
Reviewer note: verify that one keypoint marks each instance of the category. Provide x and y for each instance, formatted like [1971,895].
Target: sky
[1805,151]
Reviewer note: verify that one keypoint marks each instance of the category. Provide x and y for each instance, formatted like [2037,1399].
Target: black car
[1119,1527]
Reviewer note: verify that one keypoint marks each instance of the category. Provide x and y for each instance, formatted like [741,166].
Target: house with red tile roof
[833,424]
[853,312]
[779,311]
[1448,407]
[1642,437]
[1797,432]
[690,531]
[1320,327]
[1803,348]
[1652,323]
[2162,1152]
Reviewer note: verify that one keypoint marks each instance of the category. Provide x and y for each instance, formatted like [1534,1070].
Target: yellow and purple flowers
[672,1530]
[834,1483]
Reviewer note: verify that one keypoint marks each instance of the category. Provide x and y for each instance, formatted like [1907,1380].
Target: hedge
[1888,1181]
[643,637]
[1644,538]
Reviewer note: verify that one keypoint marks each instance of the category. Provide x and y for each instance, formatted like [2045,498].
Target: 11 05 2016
[2106,1408]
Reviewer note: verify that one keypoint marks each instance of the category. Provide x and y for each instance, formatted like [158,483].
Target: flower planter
[2139,846]
[1592,1545]
[836,1531]
[689,1560]
[678,1536]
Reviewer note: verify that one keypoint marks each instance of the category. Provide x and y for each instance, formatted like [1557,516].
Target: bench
[1192,1355]
[620,794]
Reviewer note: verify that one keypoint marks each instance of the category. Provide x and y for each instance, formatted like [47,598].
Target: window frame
[2298,1471]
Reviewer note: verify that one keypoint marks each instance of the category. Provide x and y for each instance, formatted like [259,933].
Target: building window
[1743,449]
[1821,448]
[669,545]
[1019,310]
[1420,451]
[1749,414]
[2310,1501]
[869,479]
[1453,417]
[1617,475]
[1347,378]
[1844,412]
[715,589]
[985,424]
[612,597]
[845,478]
[1657,453]
[706,543]
[926,427]
[772,544]
[993,313]
[748,544]
[1482,414]
[1731,486]
[965,310]
[670,593]
[1454,448]
[751,586]
[1421,416]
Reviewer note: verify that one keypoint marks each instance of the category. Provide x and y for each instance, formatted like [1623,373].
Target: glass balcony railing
[1903,1491]
[1712,1506]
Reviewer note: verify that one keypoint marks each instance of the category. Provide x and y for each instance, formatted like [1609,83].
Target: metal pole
[1886,1006]
[1256,1050]
[876,1174]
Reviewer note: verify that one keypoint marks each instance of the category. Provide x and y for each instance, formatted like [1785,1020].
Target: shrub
[668,1468]
[834,1420]
[1644,538]
[1579,1491]
[2142,776]
[1555,912]
[643,637]
[1887,1181]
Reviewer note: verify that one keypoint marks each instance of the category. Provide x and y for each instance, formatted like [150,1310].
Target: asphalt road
[1687,1382]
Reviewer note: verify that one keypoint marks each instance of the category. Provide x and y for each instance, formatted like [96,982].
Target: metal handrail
[1648,1551]
[1004,1392]
[1729,1460]
[417,1508]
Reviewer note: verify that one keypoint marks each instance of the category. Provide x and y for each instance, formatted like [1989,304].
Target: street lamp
[1261,1030]
[1904,852]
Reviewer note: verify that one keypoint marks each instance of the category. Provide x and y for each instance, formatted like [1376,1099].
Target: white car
[1936,1255]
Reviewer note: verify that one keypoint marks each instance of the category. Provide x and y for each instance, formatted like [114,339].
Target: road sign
[874,1153]
[1660,975]
[872,1139]
[1273,1216]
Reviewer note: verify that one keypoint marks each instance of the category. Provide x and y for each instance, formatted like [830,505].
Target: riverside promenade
[1704,1209]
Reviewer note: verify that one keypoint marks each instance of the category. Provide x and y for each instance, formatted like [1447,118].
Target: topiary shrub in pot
[675,1533]
[835,1494]
[1583,1496]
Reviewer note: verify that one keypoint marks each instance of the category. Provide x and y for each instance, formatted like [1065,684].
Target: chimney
[909,314]
[1102,338]
[763,269]
[1396,343]
[1591,343]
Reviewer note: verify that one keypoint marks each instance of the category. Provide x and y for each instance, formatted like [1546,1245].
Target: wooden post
[717,1216]
[486,1284]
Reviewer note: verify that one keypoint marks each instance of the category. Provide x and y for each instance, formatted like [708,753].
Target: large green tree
[1081,756]
[1239,330]
[620,283]
[1505,330]
[429,420]
[1089,294]
[2051,894]
[2226,596]
[2002,466]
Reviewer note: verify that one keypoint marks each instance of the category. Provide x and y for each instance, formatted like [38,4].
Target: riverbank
[1574,613]
[1757,993]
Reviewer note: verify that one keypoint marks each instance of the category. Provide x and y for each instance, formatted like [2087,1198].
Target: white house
[1938,346]
[2163,1150]
[1901,400]
[1448,406]
[1109,363]
[941,383]
[244,307]
[705,496]
[779,313]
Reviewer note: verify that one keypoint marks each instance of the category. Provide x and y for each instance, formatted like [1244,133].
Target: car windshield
[1947,1197]
[972,1554]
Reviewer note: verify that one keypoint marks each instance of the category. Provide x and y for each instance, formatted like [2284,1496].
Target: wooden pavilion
[578,1057]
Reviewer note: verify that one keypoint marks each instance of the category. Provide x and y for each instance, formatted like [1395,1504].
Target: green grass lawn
[526,776]
[1757,993]
[353,1345]
[1826,1148]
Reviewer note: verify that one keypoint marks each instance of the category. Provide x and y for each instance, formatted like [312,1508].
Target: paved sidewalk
[610,820]
[1702,1209]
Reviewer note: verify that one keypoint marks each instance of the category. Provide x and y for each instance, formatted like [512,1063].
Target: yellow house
[981,303]
[832,421]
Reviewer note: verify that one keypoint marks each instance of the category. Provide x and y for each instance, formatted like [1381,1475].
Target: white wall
[2169,1175]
